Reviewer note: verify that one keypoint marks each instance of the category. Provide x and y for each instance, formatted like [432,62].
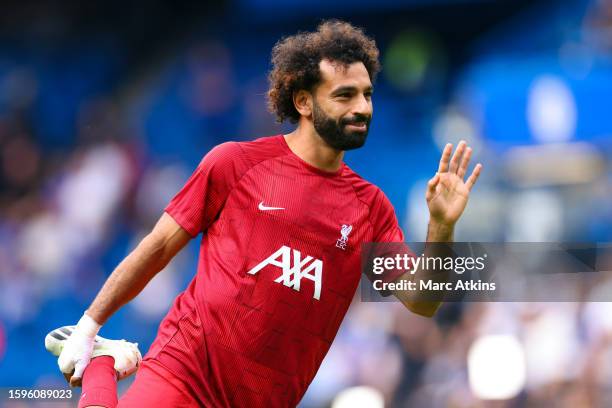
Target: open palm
[447,193]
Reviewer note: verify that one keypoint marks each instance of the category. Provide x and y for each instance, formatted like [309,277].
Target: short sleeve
[203,196]
[384,221]
[386,230]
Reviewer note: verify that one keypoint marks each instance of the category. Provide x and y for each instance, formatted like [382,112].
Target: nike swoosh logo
[262,207]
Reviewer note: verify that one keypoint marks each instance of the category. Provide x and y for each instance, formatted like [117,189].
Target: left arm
[447,195]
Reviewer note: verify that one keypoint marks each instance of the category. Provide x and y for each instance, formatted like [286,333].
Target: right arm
[189,213]
[127,280]
[131,276]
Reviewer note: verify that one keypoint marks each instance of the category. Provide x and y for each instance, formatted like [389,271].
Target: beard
[334,132]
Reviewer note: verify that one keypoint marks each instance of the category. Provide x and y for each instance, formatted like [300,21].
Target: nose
[363,106]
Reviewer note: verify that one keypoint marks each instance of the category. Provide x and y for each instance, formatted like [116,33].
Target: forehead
[334,75]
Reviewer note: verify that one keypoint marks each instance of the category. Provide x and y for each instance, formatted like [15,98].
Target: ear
[302,100]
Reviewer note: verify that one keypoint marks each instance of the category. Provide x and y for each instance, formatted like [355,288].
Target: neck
[310,147]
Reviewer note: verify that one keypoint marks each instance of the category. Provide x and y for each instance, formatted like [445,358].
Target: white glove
[77,350]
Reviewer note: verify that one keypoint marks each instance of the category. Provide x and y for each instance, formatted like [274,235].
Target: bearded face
[343,133]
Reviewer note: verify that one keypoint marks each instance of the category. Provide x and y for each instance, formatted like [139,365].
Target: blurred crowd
[89,158]
[475,355]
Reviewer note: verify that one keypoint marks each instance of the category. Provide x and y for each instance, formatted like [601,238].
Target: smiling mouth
[360,126]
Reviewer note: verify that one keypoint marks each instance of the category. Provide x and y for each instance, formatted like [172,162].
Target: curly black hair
[295,62]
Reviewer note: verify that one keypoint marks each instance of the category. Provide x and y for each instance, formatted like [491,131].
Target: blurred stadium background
[106,107]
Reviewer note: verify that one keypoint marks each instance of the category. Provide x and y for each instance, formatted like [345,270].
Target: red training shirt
[279,264]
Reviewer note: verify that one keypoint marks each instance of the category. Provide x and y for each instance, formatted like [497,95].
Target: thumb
[432,183]
[75,382]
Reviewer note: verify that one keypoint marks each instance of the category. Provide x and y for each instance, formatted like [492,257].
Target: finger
[446,153]
[474,176]
[67,376]
[78,373]
[454,163]
[76,382]
[465,161]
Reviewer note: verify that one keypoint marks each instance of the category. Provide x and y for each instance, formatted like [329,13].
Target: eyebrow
[348,88]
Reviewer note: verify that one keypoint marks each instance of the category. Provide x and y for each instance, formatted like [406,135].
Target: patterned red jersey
[279,264]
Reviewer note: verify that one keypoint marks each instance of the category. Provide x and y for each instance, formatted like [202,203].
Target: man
[283,219]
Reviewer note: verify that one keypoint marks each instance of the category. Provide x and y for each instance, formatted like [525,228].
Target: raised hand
[447,192]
